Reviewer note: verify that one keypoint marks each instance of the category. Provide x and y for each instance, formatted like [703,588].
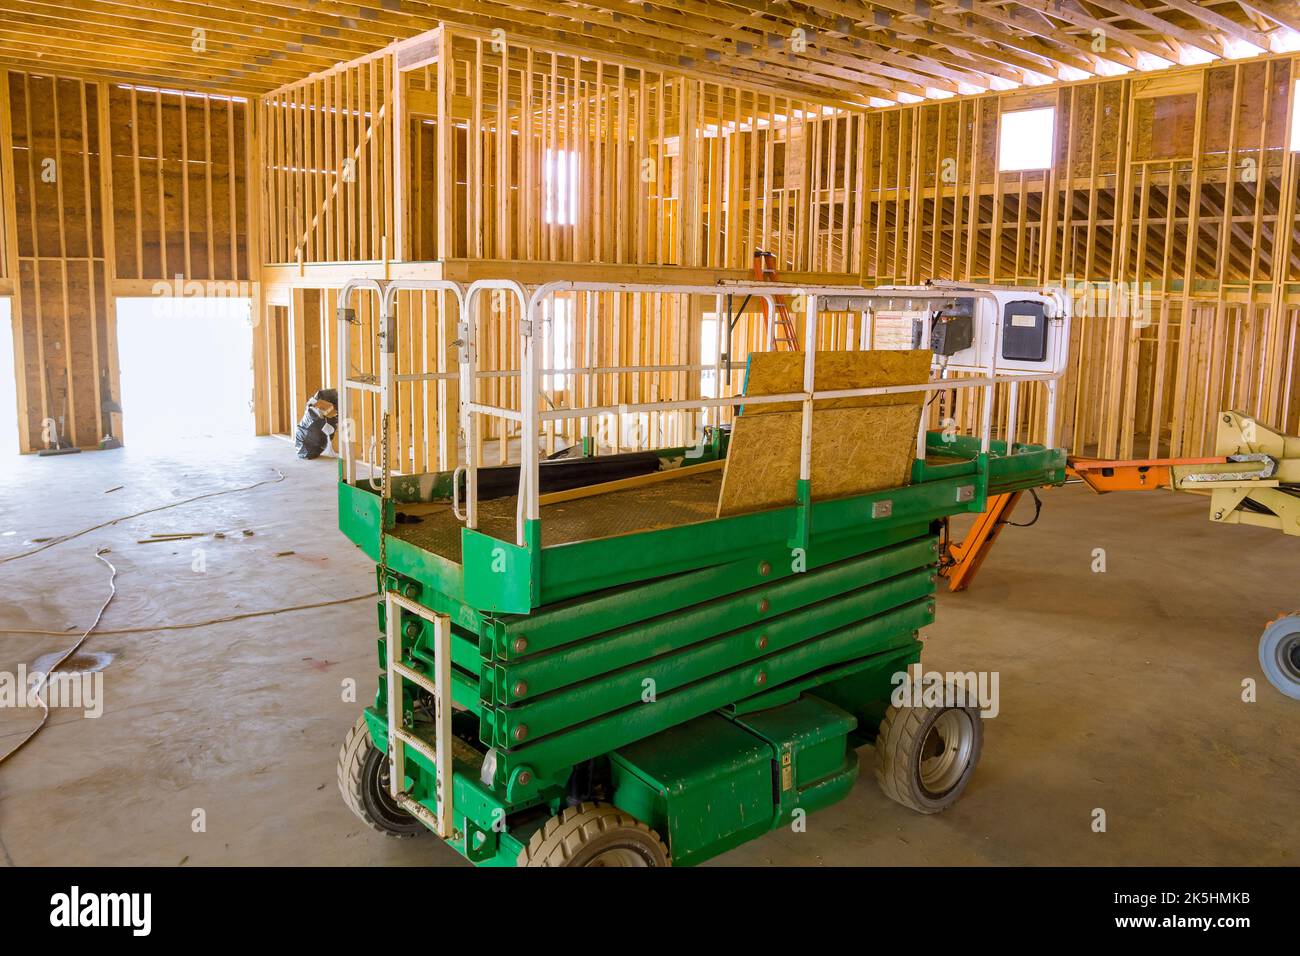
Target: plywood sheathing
[109,191]
[781,373]
[859,444]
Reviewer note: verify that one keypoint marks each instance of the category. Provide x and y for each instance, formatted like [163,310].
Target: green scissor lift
[661,696]
[628,679]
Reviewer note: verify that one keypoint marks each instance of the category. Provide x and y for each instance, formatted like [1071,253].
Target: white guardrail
[866,302]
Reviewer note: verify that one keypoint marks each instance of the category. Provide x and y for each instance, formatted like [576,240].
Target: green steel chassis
[715,676]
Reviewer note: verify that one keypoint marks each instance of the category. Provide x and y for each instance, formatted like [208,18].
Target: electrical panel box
[981,329]
[1024,331]
[953,328]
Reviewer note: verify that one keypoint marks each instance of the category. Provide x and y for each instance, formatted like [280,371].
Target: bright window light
[1025,140]
[1235,49]
[1284,40]
[560,176]
[186,371]
[709,357]
[1295,117]
[1192,56]
[559,341]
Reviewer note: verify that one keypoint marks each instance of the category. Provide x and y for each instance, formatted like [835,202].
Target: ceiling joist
[847,51]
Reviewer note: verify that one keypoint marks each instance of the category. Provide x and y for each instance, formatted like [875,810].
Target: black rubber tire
[899,744]
[586,834]
[363,775]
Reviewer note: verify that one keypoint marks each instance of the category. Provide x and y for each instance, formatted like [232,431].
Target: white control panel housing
[1010,330]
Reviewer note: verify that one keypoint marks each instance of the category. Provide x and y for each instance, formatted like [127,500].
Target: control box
[1024,331]
[952,328]
[970,328]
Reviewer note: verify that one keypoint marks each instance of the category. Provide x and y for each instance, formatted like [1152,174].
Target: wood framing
[109,190]
[1169,211]
[541,140]
[835,51]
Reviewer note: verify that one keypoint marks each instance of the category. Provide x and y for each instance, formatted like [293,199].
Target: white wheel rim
[1287,655]
[945,753]
[618,856]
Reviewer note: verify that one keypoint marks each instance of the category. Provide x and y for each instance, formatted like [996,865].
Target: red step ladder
[784,335]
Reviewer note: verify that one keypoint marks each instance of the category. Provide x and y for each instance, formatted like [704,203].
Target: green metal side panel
[650,671]
[572,569]
[568,621]
[711,784]
[498,575]
[705,786]
[815,766]
[359,518]
[878,669]
[436,575]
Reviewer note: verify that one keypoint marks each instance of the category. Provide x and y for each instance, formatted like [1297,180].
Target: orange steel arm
[1135,474]
[962,559]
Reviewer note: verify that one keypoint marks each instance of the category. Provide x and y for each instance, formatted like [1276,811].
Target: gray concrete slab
[1119,690]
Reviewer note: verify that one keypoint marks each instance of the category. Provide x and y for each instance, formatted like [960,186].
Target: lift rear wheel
[925,756]
[363,781]
[1279,654]
[594,834]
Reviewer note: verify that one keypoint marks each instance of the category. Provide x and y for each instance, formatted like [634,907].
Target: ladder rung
[415,677]
[413,741]
[417,809]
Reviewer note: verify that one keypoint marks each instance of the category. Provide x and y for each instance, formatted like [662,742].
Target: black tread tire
[576,835]
[898,744]
[359,760]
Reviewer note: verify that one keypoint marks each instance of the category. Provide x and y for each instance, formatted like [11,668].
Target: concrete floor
[1119,691]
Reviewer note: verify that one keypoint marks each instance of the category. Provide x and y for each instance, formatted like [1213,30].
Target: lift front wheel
[925,755]
[363,781]
[1279,654]
[594,834]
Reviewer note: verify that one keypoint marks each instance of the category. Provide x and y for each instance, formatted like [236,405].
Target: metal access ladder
[439,688]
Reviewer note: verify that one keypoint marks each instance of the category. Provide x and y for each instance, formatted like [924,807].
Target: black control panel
[953,328]
[1024,331]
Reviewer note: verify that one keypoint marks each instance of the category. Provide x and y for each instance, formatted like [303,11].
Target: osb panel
[63,313]
[52,194]
[178,201]
[859,444]
[1165,126]
[779,373]
[855,450]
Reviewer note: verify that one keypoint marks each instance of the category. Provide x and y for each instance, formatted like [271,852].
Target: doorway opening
[186,367]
